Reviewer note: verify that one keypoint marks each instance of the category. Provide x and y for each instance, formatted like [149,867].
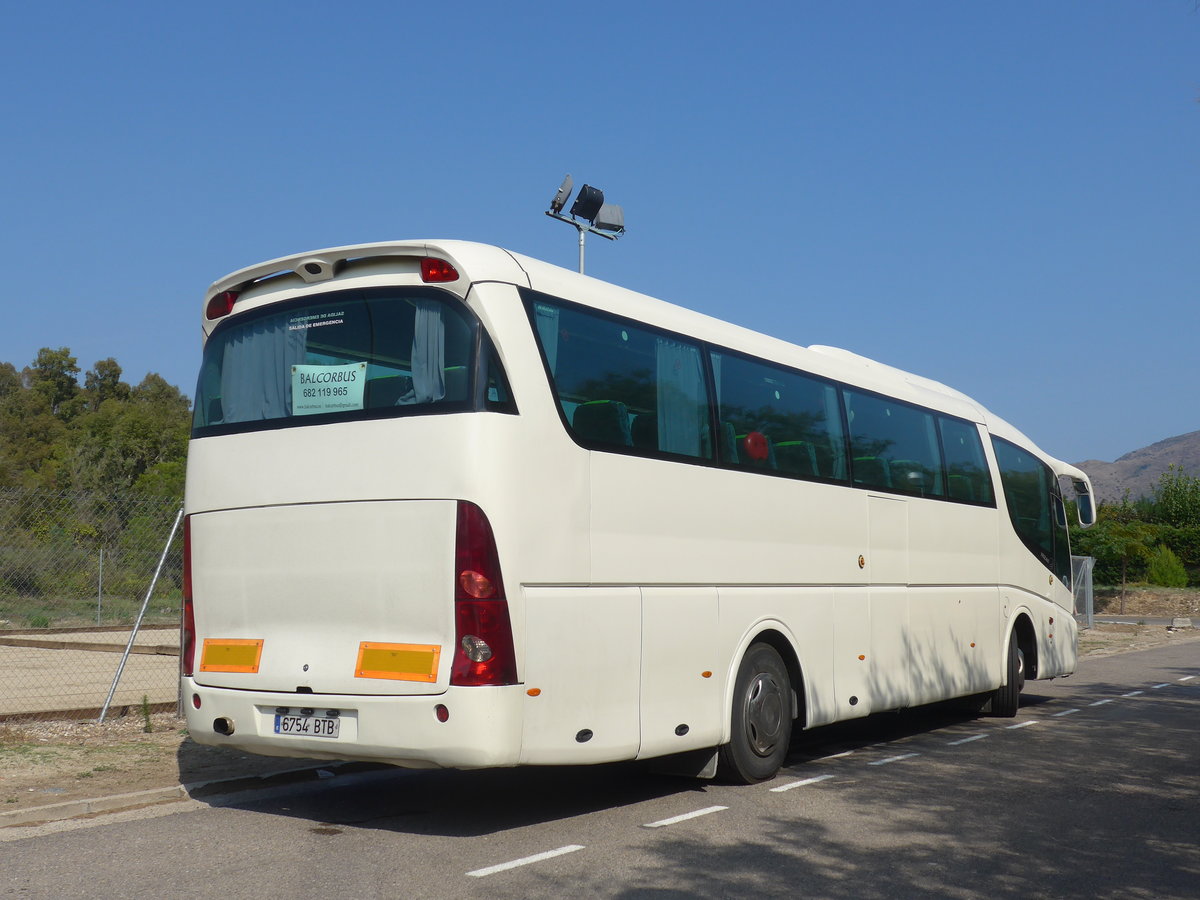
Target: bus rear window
[347,355]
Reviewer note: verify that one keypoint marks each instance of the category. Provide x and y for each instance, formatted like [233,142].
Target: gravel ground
[49,762]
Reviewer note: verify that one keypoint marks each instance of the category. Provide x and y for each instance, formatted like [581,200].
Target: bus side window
[777,420]
[1032,496]
[894,445]
[967,476]
[621,384]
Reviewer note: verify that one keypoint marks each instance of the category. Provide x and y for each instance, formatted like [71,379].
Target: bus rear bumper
[482,729]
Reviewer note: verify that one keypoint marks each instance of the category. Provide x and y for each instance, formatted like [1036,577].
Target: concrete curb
[73,809]
[205,790]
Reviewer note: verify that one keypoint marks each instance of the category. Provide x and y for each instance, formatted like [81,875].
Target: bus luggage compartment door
[333,591]
[582,653]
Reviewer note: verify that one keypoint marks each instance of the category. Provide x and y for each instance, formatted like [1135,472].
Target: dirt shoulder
[51,762]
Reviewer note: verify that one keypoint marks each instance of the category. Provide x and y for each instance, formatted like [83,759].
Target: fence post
[100,586]
[141,614]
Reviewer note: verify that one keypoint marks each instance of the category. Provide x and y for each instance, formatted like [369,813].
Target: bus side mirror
[1084,505]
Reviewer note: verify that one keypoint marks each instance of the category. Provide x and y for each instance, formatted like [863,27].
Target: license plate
[308,726]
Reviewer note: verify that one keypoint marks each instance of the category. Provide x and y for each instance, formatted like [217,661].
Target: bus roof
[483,262]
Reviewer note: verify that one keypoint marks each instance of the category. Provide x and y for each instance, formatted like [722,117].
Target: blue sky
[1000,196]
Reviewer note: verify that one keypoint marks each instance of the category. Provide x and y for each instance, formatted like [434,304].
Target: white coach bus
[451,506]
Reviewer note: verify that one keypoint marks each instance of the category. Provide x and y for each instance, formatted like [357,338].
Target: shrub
[1166,569]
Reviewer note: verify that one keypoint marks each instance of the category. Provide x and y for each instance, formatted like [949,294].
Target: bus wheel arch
[766,701]
[1026,638]
[1020,661]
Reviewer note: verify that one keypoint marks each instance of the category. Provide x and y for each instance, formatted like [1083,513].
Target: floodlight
[560,197]
[589,212]
[610,218]
[588,203]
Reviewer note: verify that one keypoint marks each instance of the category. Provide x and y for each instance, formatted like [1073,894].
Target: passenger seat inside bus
[797,457]
[961,488]
[644,430]
[910,475]
[757,450]
[872,470]
[603,421]
[386,391]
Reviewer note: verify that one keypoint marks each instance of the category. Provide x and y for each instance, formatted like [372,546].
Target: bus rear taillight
[220,305]
[483,652]
[435,270]
[187,648]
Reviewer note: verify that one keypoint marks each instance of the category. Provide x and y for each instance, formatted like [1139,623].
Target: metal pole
[100,586]
[582,232]
[141,614]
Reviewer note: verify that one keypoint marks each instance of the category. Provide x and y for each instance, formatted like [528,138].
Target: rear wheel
[1005,700]
[761,718]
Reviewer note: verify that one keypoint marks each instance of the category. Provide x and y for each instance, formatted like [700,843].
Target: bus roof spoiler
[322,265]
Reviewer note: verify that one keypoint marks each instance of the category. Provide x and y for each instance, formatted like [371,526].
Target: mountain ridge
[1138,471]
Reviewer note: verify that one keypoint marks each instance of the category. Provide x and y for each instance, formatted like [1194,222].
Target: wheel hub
[764,714]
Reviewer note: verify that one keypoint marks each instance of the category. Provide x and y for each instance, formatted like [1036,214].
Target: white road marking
[839,755]
[1187,677]
[1133,694]
[1163,685]
[1021,725]
[524,861]
[892,759]
[1065,712]
[683,818]
[967,740]
[796,784]
[1101,702]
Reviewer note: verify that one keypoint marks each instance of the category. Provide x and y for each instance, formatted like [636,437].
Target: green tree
[102,437]
[1177,498]
[1166,569]
[10,380]
[103,382]
[121,441]
[1117,543]
[53,375]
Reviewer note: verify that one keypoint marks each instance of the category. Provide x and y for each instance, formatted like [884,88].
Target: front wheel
[1005,700]
[761,719]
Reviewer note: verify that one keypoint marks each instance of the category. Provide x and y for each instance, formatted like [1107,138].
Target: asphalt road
[1092,791]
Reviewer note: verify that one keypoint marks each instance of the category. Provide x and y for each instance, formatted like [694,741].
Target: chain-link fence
[1082,568]
[75,569]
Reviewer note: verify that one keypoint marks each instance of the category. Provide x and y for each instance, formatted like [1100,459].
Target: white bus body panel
[634,584]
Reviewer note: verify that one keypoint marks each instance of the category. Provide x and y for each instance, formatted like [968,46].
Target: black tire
[1005,700]
[761,719]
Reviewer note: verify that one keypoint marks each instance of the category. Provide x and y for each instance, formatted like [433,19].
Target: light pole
[589,212]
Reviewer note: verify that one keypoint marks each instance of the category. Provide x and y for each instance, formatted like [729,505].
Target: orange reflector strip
[399,662]
[231,655]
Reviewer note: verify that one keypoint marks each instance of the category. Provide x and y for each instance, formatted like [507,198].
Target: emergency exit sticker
[323,389]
